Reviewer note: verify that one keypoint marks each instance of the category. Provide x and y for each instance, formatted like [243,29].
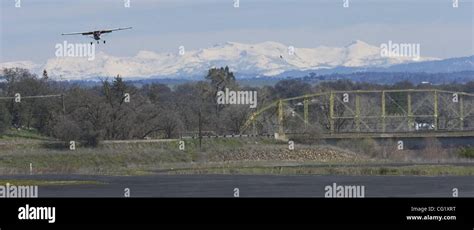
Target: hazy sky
[31,31]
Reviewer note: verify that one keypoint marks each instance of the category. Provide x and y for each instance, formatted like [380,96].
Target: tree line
[116,109]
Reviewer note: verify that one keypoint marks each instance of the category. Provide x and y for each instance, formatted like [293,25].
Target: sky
[30,32]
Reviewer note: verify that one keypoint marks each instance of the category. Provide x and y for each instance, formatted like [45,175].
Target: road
[251,185]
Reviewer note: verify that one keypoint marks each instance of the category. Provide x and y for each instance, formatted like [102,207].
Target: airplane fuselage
[96,35]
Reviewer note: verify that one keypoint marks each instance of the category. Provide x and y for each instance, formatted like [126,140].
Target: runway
[251,185]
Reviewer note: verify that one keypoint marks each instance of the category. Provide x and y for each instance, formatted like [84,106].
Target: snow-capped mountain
[262,59]
[20,64]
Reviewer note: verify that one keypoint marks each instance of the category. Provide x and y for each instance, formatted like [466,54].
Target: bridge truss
[367,111]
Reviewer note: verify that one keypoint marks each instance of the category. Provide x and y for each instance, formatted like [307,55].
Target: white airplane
[96,34]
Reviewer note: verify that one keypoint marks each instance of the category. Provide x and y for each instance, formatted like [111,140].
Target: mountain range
[266,59]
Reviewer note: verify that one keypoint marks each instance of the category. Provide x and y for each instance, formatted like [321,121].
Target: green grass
[124,160]
[46,182]
[107,159]
[23,134]
[416,170]
[217,156]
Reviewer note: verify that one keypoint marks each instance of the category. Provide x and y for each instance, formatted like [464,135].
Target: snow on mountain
[262,59]
[20,64]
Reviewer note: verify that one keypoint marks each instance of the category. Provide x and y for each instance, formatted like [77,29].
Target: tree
[31,113]
[291,88]
[67,130]
[221,78]
[45,75]
[4,118]
[235,117]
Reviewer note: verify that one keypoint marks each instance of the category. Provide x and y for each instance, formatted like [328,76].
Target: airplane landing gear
[104,41]
[92,43]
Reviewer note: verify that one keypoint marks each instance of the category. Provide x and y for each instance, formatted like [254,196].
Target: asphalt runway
[251,185]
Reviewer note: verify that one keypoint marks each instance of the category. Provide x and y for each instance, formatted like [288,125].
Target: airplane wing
[109,31]
[81,33]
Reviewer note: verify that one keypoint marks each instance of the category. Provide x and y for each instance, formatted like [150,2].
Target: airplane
[97,33]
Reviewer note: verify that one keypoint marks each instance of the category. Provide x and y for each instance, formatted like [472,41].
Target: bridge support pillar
[281,131]
[357,117]
[331,112]
[254,128]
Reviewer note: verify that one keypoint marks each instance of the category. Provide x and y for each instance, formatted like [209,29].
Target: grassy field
[19,182]
[19,149]
[418,170]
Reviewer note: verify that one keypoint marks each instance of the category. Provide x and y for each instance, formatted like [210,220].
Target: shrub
[4,119]
[466,153]
[433,149]
[365,146]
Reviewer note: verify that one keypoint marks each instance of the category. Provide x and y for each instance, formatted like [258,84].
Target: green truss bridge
[368,113]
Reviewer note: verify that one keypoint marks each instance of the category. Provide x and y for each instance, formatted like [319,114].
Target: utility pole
[64,106]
